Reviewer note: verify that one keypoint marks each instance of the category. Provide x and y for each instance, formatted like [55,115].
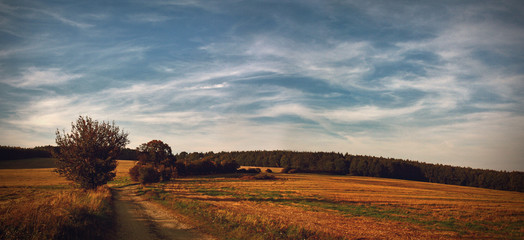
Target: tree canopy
[156,162]
[87,155]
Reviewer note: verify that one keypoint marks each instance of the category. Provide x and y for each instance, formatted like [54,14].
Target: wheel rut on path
[138,218]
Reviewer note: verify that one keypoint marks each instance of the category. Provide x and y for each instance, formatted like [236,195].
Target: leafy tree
[155,156]
[88,154]
[157,153]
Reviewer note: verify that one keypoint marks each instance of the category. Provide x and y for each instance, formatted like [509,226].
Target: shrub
[166,173]
[180,169]
[148,174]
[133,172]
[269,170]
[286,170]
[201,167]
[253,170]
[264,176]
[229,166]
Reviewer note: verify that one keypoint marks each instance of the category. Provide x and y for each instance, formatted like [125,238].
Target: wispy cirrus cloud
[148,18]
[34,77]
[40,13]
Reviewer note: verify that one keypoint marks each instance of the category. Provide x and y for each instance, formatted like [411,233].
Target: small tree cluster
[88,154]
[208,165]
[156,163]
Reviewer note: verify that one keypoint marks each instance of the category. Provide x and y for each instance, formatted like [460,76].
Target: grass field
[36,203]
[342,207]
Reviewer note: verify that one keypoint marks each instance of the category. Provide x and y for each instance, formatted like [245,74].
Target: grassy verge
[55,213]
[120,181]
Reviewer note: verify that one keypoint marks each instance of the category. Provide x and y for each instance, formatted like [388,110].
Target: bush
[166,173]
[229,166]
[264,176]
[286,170]
[269,170]
[133,172]
[253,170]
[148,174]
[180,169]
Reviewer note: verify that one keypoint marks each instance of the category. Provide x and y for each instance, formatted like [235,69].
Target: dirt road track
[141,219]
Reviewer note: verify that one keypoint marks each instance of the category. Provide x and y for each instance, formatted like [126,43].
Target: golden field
[294,206]
[346,207]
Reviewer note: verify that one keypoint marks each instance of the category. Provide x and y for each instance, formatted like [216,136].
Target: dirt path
[141,219]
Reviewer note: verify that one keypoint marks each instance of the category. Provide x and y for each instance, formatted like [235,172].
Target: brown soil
[138,218]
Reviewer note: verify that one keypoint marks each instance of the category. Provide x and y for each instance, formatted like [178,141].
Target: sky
[431,81]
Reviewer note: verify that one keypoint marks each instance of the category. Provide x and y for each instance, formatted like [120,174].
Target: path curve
[138,218]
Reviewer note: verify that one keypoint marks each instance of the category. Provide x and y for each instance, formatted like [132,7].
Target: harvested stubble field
[342,207]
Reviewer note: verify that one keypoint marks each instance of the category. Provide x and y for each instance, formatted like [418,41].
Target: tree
[88,154]
[157,157]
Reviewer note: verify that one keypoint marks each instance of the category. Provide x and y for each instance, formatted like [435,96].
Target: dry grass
[39,204]
[353,207]
[53,213]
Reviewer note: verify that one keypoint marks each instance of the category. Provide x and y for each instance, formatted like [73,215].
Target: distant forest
[357,165]
[11,153]
[327,163]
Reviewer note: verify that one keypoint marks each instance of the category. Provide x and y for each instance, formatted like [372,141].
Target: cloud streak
[33,77]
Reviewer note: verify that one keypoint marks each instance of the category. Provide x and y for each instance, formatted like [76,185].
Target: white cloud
[64,19]
[36,77]
[28,12]
[368,113]
[149,18]
[338,115]
[339,62]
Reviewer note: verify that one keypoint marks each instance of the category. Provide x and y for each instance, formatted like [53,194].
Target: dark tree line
[128,154]
[357,165]
[10,153]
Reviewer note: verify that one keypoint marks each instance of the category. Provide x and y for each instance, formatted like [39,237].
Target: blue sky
[433,81]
